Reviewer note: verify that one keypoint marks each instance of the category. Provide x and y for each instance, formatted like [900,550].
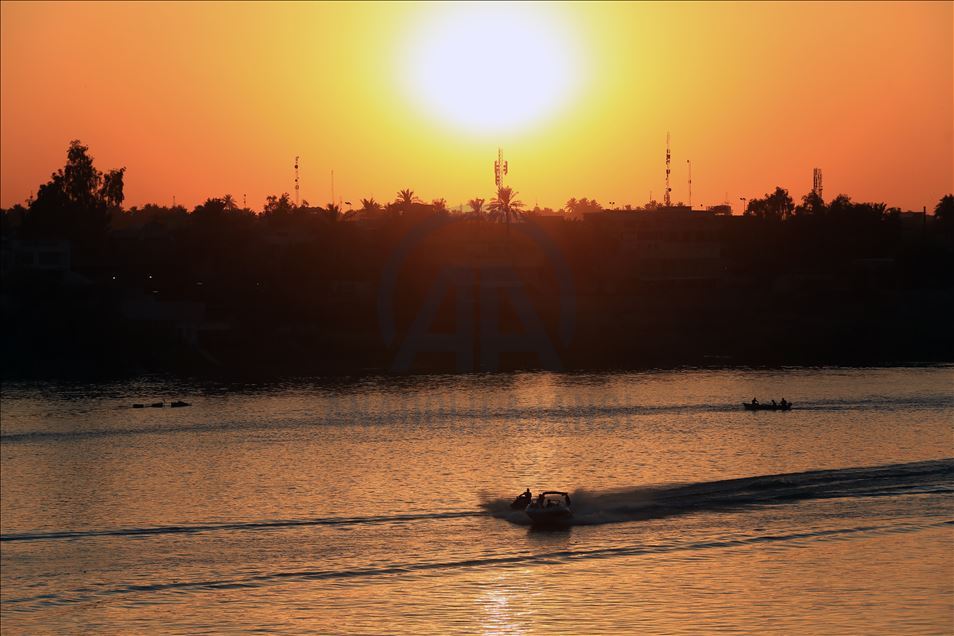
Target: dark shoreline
[419,290]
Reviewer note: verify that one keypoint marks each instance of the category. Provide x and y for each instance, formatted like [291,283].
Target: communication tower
[500,169]
[666,198]
[296,181]
[817,182]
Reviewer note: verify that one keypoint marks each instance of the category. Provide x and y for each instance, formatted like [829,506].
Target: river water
[379,505]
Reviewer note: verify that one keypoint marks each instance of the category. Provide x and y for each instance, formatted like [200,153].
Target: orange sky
[197,100]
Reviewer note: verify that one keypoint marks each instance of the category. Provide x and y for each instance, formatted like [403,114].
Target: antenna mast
[500,169]
[297,199]
[817,182]
[666,199]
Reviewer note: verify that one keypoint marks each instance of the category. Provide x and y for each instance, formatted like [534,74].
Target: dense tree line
[81,203]
[300,282]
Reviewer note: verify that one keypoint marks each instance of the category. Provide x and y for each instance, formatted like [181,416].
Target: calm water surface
[379,505]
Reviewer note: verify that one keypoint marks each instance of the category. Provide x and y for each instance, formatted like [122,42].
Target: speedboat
[550,508]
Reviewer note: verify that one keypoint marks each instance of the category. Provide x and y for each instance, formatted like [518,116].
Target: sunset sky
[199,100]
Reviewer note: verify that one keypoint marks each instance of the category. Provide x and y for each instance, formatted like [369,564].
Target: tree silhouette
[756,208]
[229,202]
[476,207]
[844,211]
[780,204]
[812,205]
[77,201]
[877,210]
[944,210]
[111,190]
[505,204]
[369,205]
[577,207]
[277,206]
[406,197]
[405,202]
[212,209]
[775,206]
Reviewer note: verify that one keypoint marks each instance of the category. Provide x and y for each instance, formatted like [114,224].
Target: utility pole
[743,199]
[690,183]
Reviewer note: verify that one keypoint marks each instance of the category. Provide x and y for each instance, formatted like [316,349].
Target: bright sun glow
[492,68]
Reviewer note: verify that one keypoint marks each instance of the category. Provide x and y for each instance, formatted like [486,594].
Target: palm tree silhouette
[476,207]
[406,197]
[229,202]
[505,204]
[370,204]
[405,200]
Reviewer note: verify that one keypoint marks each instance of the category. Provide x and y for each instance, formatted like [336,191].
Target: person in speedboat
[522,500]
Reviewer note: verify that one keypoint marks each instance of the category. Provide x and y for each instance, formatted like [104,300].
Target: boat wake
[654,502]
[237,526]
[615,506]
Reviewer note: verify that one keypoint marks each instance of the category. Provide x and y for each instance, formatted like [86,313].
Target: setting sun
[396,95]
[492,68]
